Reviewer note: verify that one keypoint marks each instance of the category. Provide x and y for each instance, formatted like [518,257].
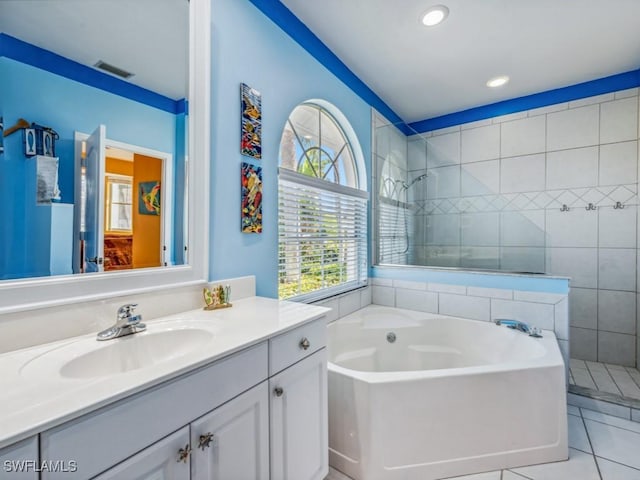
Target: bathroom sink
[134,352]
[87,358]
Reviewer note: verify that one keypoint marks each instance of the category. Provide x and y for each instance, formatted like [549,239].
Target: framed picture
[251,216]
[149,198]
[251,132]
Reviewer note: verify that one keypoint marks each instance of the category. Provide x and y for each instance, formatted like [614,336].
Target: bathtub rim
[551,358]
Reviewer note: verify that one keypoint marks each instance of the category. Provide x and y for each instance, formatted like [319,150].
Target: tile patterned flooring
[601,447]
[624,381]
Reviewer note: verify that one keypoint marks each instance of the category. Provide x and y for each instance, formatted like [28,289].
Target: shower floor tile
[604,377]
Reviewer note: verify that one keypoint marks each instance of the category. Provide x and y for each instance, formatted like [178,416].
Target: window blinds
[322,237]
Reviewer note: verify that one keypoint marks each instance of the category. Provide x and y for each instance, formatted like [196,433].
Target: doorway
[132,210]
[125,217]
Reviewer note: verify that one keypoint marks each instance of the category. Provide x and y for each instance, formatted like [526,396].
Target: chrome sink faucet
[522,326]
[127,323]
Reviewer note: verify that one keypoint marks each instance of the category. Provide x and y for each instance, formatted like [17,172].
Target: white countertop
[33,398]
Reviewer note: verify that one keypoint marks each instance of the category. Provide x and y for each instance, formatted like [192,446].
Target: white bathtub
[449,397]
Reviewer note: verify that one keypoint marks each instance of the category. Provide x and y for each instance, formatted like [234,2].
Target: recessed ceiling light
[435,15]
[497,81]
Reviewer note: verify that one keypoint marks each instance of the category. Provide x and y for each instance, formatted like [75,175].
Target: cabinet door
[232,442]
[299,445]
[20,461]
[161,461]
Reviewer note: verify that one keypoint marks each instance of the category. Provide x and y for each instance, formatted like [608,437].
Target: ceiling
[425,72]
[146,37]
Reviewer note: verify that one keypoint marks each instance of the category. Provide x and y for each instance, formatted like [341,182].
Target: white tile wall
[617,227]
[576,228]
[583,304]
[480,257]
[522,174]
[523,137]
[525,166]
[576,167]
[584,343]
[619,120]
[520,229]
[615,347]
[616,313]
[417,300]
[416,154]
[606,97]
[480,178]
[573,128]
[447,288]
[540,314]
[581,264]
[443,182]
[346,303]
[480,229]
[618,163]
[617,269]
[522,259]
[443,230]
[383,295]
[476,308]
[443,150]
[481,143]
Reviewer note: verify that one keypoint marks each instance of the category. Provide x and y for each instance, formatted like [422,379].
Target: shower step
[604,402]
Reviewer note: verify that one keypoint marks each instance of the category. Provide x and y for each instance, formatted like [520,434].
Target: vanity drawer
[106,437]
[290,347]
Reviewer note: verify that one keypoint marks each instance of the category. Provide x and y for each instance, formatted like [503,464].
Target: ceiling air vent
[113,70]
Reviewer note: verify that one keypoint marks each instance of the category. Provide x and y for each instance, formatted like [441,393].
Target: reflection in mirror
[96,180]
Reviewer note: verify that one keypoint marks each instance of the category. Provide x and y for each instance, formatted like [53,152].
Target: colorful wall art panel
[149,198]
[251,198]
[251,140]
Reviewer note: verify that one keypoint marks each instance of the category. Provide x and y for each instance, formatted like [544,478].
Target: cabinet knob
[205,440]
[183,454]
[278,391]
[304,343]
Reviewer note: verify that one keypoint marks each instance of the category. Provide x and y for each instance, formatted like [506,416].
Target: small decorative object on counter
[217,297]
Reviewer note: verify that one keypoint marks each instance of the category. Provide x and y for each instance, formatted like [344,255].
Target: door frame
[166,197]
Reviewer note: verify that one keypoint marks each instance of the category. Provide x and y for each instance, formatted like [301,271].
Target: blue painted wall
[66,106]
[247,47]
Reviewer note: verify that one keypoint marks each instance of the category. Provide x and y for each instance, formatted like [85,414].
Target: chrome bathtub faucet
[522,326]
[126,324]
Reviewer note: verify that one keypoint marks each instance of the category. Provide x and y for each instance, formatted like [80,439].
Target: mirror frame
[42,292]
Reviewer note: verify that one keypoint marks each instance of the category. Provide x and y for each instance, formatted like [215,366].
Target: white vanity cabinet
[104,438]
[257,414]
[298,397]
[20,461]
[299,422]
[160,461]
[232,442]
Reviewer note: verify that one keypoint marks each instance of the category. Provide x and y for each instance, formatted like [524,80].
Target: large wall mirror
[104,108]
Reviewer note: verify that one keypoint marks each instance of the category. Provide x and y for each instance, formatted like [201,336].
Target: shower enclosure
[432,210]
[525,193]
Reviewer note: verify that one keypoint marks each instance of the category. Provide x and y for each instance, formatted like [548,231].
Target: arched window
[322,206]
